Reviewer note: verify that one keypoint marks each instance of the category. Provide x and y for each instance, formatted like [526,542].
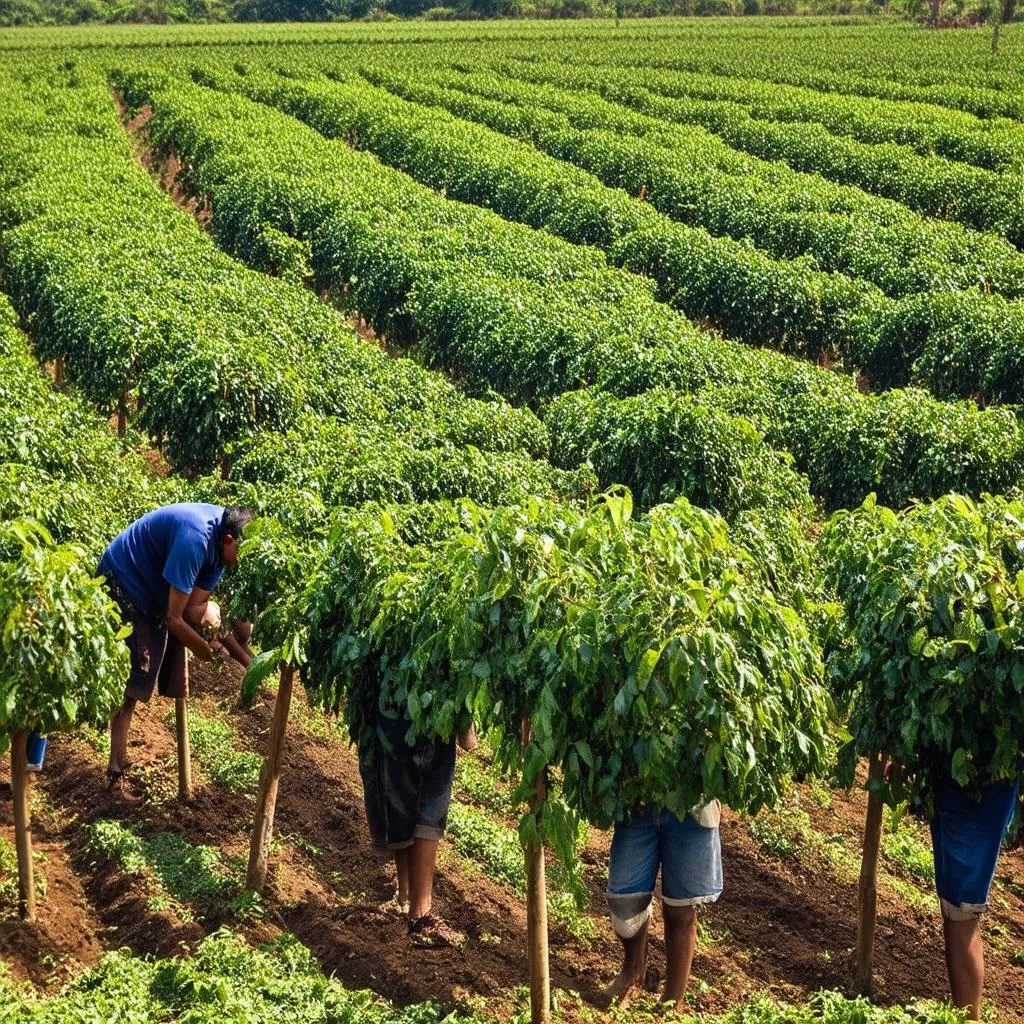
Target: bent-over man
[161,571]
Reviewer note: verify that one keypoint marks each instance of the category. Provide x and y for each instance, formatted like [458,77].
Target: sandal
[117,788]
[432,932]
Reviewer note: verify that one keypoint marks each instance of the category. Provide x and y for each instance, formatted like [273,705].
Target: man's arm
[179,628]
[198,604]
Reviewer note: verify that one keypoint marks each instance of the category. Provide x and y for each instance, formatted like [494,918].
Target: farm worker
[967,832]
[407,788]
[234,640]
[161,571]
[688,851]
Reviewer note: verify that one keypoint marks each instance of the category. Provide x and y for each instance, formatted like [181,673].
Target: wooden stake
[266,801]
[23,827]
[537,911]
[58,371]
[122,415]
[867,894]
[184,750]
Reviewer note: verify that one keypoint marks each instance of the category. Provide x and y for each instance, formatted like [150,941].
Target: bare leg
[965,962]
[630,981]
[422,865]
[402,867]
[680,945]
[119,725]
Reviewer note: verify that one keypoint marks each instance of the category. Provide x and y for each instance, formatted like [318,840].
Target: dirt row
[781,925]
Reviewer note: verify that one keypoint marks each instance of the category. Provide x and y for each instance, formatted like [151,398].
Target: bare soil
[781,925]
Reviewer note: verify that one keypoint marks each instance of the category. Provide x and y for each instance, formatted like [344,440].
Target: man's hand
[177,607]
[211,616]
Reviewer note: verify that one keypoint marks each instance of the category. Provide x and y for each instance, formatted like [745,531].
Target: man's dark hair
[235,521]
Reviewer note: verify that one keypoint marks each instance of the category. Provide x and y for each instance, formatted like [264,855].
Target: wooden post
[23,827]
[867,894]
[184,750]
[184,742]
[122,415]
[537,911]
[266,800]
[58,371]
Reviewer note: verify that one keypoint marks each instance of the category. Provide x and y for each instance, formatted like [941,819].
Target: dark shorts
[966,836]
[158,659]
[406,789]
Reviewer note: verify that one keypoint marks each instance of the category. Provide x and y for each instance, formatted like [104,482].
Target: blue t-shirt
[174,546]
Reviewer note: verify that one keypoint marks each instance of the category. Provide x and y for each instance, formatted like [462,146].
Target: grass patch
[905,849]
[495,848]
[225,980]
[911,894]
[788,834]
[479,782]
[178,875]
[213,746]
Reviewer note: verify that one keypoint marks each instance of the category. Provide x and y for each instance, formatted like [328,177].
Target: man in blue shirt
[161,571]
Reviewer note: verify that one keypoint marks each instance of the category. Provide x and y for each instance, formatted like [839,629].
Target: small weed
[480,783]
[98,739]
[781,832]
[910,894]
[819,794]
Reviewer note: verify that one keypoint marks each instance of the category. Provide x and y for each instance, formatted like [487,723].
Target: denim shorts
[966,836]
[406,789]
[688,854]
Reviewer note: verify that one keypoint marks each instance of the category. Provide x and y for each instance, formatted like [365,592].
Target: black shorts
[158,659]
[406,789]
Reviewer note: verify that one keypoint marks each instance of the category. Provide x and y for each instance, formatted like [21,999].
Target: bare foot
[623,990]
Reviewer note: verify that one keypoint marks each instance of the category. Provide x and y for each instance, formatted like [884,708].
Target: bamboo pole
[537,911]
[867,893]
[266,800]
[23,827]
